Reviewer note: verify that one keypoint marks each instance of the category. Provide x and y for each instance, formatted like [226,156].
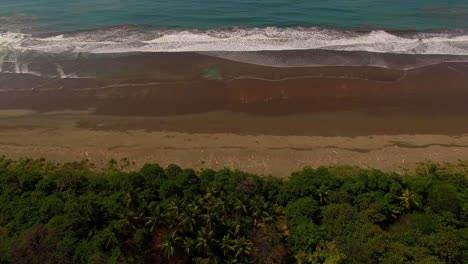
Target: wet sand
[206,112]
[161,84]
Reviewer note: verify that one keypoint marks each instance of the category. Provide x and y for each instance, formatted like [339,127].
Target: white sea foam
[117,40]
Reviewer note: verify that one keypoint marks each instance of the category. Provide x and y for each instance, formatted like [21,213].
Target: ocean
[108,26]
[56,15]
[151,57]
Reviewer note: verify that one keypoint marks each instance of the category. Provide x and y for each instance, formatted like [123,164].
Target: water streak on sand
[121,85]
[2,58]
[404,74]
[17,68]
[60,71]
[24,69]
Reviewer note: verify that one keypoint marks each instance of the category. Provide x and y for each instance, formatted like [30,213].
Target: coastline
[158,84]
[233,131]
[201,111]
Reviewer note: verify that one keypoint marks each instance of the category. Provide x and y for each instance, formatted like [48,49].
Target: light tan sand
[56,136]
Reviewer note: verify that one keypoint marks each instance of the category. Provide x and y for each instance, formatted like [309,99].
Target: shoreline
[221,85]
[202,111]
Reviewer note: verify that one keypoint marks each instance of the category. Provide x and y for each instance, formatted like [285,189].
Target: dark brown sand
[201,111]
[195,83]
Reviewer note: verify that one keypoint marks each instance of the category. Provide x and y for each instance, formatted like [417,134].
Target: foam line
[117,40]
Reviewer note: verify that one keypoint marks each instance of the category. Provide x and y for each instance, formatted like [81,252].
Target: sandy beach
[202,111]
[62,136]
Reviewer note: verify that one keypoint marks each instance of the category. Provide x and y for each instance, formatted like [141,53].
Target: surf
[128,39]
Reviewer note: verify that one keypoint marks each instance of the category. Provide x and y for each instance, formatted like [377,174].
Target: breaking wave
[134,39]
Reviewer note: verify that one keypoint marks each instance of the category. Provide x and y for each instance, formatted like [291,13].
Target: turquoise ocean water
[65,38]
[67,15]
[423,27]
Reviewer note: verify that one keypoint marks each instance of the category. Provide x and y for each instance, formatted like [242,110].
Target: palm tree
[409,200]
[227,245]
[170,244]
[156,217]
[234,225]
[261,210]
[236,205]
[427,169]
[172,212]
[235,248]
[242,247]
[186,221]
[203,241]
[188,245]
[212,210]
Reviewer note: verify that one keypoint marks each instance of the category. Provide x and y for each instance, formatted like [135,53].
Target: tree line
[76,213]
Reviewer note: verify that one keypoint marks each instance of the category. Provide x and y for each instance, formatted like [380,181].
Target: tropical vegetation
[77,213]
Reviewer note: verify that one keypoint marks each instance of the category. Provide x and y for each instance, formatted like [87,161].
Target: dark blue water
[71,15]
